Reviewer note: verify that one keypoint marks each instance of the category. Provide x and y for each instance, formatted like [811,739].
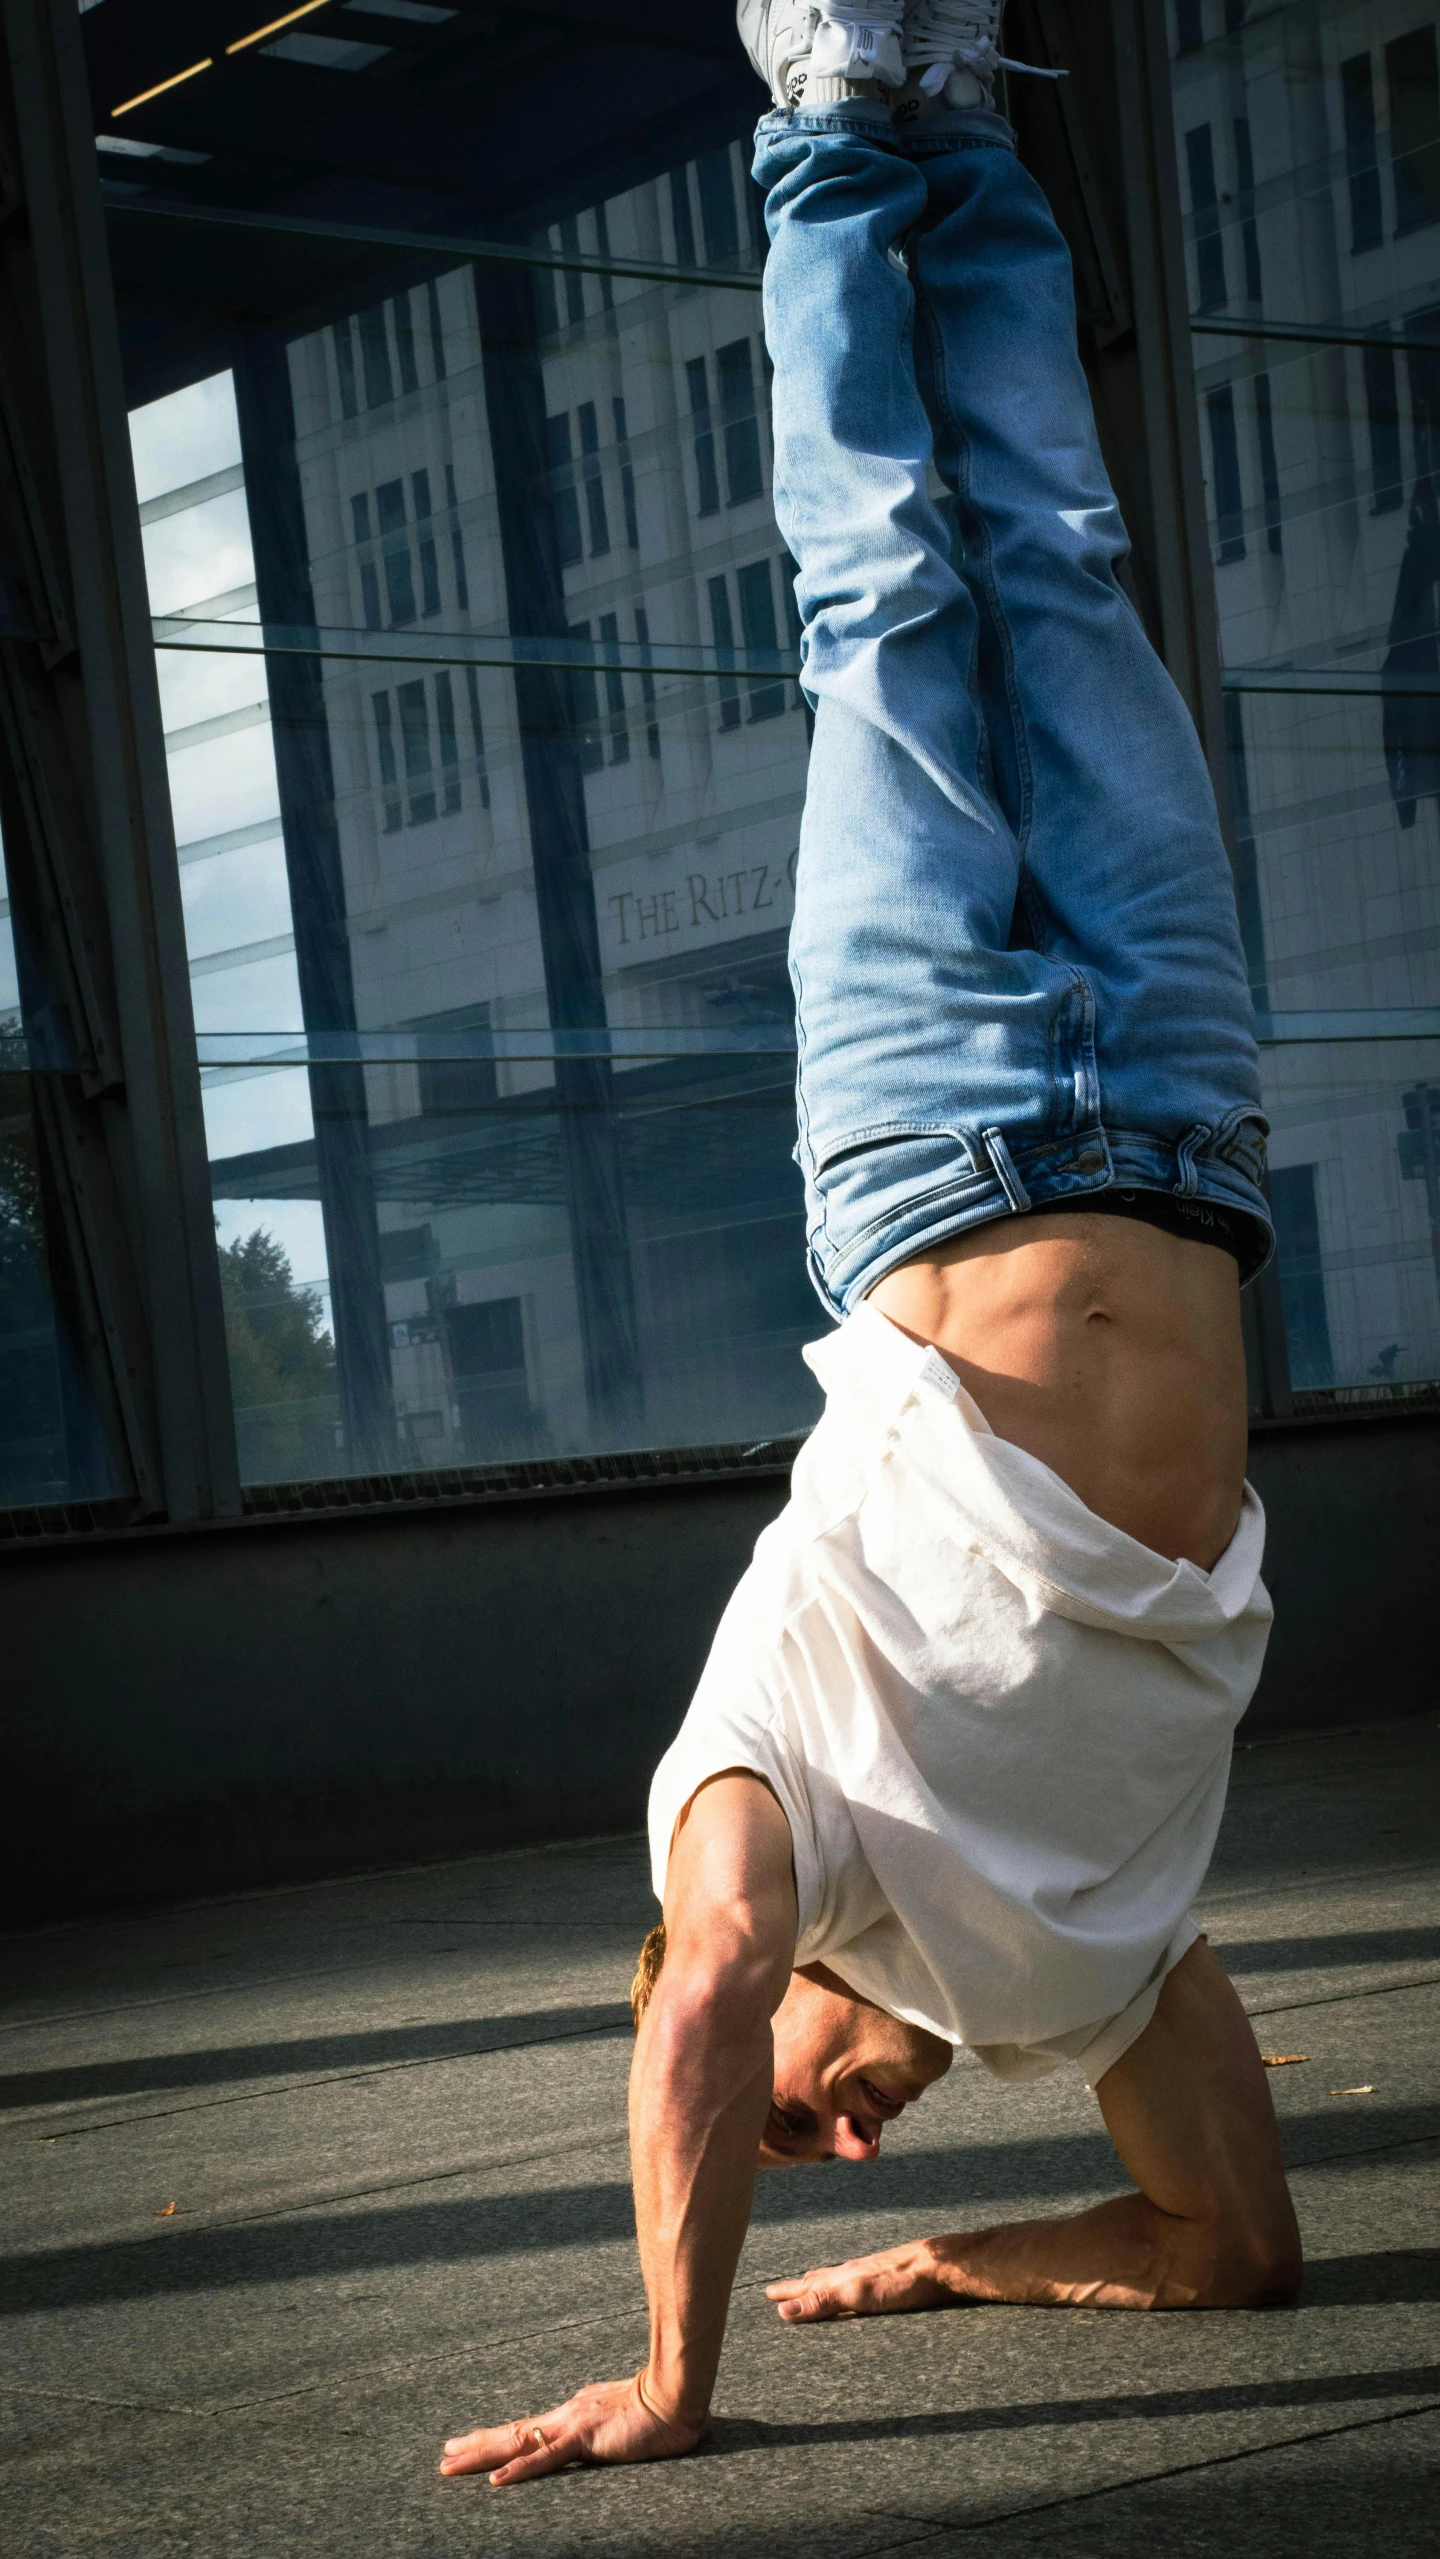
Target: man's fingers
[524,2450]
[790,2286]
[813,2301]
[532,2465]
[827,2292]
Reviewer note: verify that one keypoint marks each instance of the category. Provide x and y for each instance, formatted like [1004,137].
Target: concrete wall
[205,1711]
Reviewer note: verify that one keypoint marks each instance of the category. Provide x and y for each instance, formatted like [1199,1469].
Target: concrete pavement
[389,2116]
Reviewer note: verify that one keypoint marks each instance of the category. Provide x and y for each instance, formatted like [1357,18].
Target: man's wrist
[668,2399]
[947,2261]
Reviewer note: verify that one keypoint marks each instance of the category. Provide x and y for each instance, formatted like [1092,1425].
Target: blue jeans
[1016,958]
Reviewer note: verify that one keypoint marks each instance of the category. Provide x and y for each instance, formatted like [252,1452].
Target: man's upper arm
[730,1902]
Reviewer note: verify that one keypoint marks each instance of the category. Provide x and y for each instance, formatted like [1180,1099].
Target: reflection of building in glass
[1309,150]
[541,774]
[570,1251]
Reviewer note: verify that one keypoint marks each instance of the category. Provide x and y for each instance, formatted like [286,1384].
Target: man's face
[843,2070]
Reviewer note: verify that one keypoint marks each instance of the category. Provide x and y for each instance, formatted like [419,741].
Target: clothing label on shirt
[938,1372]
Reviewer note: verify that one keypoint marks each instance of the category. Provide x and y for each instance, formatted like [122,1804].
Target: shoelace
[967,42]
[883,15]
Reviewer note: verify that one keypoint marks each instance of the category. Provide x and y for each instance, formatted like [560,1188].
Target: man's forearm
[1127,2254]
[699,2096]
[1123,2255]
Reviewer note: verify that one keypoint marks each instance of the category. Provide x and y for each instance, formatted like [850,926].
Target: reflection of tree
[282,1360]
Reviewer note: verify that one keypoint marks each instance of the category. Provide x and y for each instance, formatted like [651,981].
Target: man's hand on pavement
[607,2421]
[908,2278]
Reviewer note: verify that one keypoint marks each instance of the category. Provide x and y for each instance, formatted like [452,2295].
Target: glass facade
[1308,140]
[52,1447]
[476,650]
[477,654]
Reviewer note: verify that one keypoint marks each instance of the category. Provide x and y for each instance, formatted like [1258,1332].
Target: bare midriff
[1110,1350]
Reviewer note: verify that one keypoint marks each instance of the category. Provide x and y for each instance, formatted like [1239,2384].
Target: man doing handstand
[955,1768]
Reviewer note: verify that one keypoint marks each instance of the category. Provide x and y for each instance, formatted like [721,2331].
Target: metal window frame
[90,840]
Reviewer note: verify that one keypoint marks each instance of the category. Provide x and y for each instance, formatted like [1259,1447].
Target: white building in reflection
[651,489]
[1309,150]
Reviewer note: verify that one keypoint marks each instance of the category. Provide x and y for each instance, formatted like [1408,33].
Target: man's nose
[852,2141]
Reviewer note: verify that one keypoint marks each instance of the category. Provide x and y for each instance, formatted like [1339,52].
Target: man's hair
[647,1973]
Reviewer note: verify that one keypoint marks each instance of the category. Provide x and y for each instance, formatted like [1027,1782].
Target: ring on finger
[538,2440]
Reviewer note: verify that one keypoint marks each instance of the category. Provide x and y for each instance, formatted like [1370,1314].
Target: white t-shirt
[1000,1729]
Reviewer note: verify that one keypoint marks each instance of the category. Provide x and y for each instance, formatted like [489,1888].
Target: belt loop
[1187,1181]
[1004,1169]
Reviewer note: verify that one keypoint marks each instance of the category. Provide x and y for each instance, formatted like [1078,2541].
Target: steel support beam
[85,805]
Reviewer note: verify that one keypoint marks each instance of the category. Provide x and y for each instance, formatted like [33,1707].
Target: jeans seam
[803,1152]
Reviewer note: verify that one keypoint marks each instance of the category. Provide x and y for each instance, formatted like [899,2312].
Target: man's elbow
[1239,2268]
[717,2006]
[1273,2274]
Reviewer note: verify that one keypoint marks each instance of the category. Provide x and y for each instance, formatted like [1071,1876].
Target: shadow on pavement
[1323,2390]
[314,2246]
[448,2040]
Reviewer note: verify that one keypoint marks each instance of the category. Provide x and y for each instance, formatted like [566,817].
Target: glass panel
[1309,144]
[53,1446]
[477,647]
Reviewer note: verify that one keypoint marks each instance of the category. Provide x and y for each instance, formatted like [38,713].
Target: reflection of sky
[203,551]
[261,1107]
[262,996]
[233,898]
[185,436]
[218,786]
[199,684]
[223,783]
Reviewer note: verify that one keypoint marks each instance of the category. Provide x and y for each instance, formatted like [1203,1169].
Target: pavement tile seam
[370,1934]
[1336,1998]
[172,1999]
[390,2368]
[1373,2150]
[1218,1895]
[521,2155]
[954,2522]
[105,1923]
[298,2086]
[100,2399]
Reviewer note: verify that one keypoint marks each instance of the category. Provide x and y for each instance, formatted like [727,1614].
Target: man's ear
[647,1972]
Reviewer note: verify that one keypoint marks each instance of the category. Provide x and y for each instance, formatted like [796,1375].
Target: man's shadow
[730,2435]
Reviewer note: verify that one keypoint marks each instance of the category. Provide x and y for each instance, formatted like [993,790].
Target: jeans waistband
[958,129]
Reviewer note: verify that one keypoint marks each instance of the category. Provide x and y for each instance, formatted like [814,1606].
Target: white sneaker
[813,52]
[952,54]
